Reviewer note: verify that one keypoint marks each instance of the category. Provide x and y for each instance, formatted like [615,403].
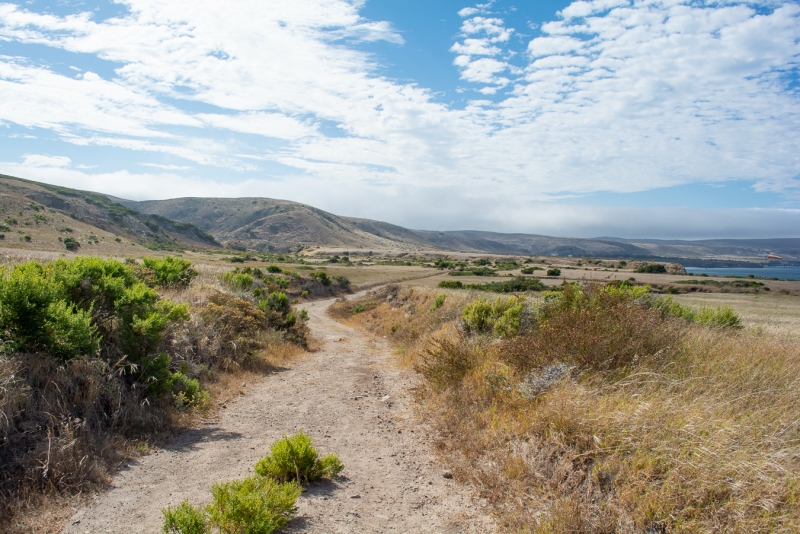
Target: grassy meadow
[602,408]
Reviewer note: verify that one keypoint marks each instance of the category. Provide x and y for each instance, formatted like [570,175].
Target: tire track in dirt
[353,400]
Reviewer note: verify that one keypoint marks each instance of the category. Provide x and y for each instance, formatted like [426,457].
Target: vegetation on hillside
[604,408]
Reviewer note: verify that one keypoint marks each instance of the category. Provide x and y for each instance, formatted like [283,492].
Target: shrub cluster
[258,504]
[518,284]
[654,268]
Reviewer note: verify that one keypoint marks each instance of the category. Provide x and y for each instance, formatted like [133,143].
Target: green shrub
[276,301]
[655,268]
[184,519]
[553,272]
[358,309]
[69,331]
[238,280]
[295,458]
[502,317]
[451,284]
[520,283]
[255,505]
[4,228]
[438,301]
[474,271]
[530,270]
[86,306]
[170,271]
[322,278]
[723,317]
[342,280]
[273,269]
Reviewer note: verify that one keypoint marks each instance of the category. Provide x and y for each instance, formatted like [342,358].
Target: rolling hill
[42,211]
[44,216]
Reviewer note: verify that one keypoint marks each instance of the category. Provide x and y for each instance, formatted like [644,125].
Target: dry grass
[702,434]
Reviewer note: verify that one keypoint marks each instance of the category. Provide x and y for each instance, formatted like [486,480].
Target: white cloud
[40,160]
[614,96]
[166,167]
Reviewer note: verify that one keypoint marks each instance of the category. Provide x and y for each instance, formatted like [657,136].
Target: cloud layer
[611,95]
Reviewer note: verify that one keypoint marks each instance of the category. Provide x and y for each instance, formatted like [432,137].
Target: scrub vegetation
[258,504]
[99,358]
[604,408]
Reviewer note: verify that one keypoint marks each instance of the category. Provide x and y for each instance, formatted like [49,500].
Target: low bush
[295,458]
[654,268]
[71,244]
[474,271]
[322,278]
[451,284]
[437,302]
[255,505]
[170,272]
[515,285]
[554,272]
[530,270]
[184,519]
[501,317]
[238,280]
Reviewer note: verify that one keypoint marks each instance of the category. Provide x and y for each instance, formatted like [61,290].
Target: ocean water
[783,273]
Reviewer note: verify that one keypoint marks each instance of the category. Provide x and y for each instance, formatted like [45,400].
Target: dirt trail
[353,401]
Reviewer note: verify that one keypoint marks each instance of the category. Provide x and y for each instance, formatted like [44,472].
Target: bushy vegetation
[295,458]
[91,356]
[170,272]
[501,317]
[554,272]
[515,285]
[258,504]
[71,244]
[653,268]
[610,409]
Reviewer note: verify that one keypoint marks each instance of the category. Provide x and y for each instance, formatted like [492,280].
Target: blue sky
[653,118]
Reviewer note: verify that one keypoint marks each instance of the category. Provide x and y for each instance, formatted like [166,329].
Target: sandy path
[353,401]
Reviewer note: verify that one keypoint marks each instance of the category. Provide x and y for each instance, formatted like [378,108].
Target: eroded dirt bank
[352,400]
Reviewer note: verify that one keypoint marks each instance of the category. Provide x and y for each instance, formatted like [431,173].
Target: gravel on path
[352,399]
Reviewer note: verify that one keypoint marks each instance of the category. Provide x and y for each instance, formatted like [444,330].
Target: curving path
[352,399]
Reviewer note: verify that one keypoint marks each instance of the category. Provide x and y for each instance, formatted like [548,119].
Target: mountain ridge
[264,224]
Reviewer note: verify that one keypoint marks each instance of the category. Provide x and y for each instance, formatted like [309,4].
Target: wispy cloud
[612,95]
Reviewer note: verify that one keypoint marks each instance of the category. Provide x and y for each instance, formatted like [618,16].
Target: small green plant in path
[184,519]
[295,458]
[258,504]
[255,505]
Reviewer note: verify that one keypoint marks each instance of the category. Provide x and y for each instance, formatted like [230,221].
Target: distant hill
[45,213]
[265,224]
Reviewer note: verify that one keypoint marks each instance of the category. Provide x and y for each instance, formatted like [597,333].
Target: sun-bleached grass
[697,431]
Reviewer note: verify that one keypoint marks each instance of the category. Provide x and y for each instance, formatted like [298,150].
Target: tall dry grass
[649,424]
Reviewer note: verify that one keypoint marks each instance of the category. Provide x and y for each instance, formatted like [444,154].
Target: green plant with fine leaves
[170,271]
[255,505]
[295,458]
[184,519]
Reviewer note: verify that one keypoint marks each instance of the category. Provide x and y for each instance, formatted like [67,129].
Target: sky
[660,119]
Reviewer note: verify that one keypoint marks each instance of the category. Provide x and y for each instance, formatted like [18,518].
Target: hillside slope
[268,224]
[265,224]
[41,216]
